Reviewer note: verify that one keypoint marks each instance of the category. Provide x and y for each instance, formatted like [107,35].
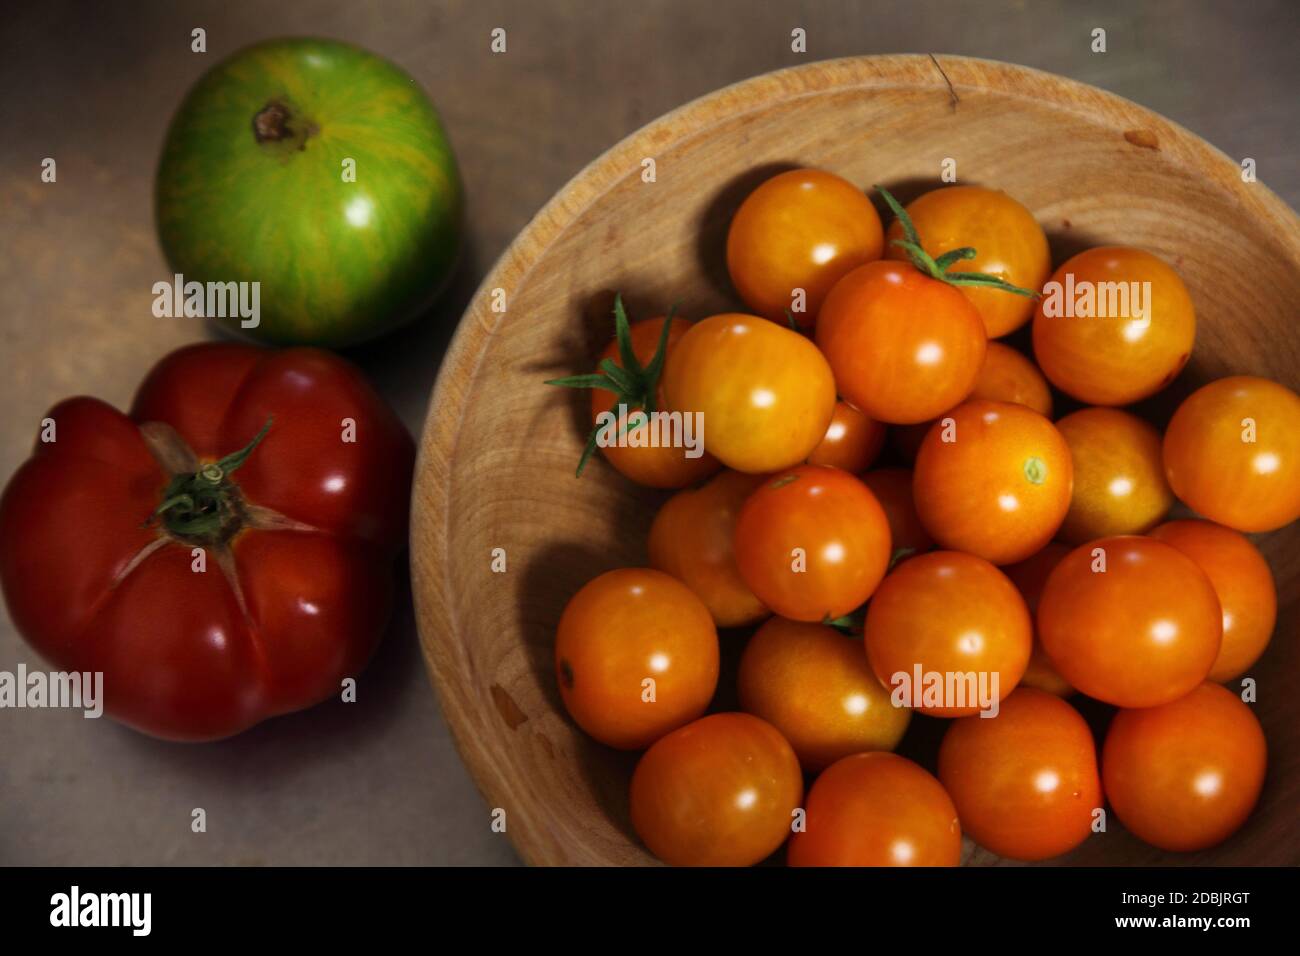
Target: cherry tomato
[625,627]
[1243,582]
[766,394]
[1232,453]
[904,347]
[1130,621]
[814,685]
[691,539]
[1025,782]
[993,479]
[1185,775]
[801,229]
[1005,376]
[812,543]
[877,809]
[1099,335]
[852,442]
[1119,480]
[721,791]
[658,466]
[1029,576]
[893,489]
[1010,242]
[949,613]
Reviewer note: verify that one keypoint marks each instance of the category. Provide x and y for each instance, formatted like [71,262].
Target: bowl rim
[450,669]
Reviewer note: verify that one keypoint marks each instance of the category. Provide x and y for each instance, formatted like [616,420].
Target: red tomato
[1098,335]
[893,489]
[1130,621]
[1232,452]
[1185,775]
[636,655]
[904,347]
[721,791]
[952,615]
[766,394]
[1025,782]
[853,441]
[691,539]
[801,229]
[814,685]
[812,543]
[1029,576]
[659,465]
[1244,585]
[993,479]
[1010,242]
[1119,481]
[262,585]
[877,809]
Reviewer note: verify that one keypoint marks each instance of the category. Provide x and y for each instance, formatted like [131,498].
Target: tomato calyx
[634,385]
[203,506]
[851,624]
[937,267]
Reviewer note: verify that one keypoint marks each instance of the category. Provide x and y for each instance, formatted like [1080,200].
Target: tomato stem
[939,267]
[634,385]
[203,507]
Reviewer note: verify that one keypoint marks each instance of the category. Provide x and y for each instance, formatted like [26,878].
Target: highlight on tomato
[225,552]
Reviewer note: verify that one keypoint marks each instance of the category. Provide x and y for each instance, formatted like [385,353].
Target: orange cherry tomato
[893,489]
[1119,480]
[691,539]
[853,441]
[877,809]
[801,229]
[1130,621]
[1010,242]
[993,479]
[1185,775]
[904,347]
[1025,783]
[812,543]
[1232,453]
[814,685]
[721,791]
[658,466]
[948,614]
[1099,335]
[1243,582]
[766,394]
[1005,376]
[1029,576]
[622,628]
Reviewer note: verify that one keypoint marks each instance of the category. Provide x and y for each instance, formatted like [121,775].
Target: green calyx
[938,267]
[634,385]
[203,507]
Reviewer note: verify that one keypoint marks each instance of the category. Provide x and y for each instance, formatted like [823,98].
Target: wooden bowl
[499,447]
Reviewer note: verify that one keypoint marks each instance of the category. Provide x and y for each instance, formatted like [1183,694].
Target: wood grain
[497,452]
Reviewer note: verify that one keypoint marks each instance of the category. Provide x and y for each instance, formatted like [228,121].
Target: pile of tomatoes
[1032,554]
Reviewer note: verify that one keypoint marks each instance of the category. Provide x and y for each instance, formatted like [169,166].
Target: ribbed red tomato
[214,578]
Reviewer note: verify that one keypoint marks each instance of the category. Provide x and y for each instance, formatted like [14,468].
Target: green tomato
[321,172]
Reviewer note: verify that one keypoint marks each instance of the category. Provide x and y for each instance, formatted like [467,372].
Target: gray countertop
[379,781]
